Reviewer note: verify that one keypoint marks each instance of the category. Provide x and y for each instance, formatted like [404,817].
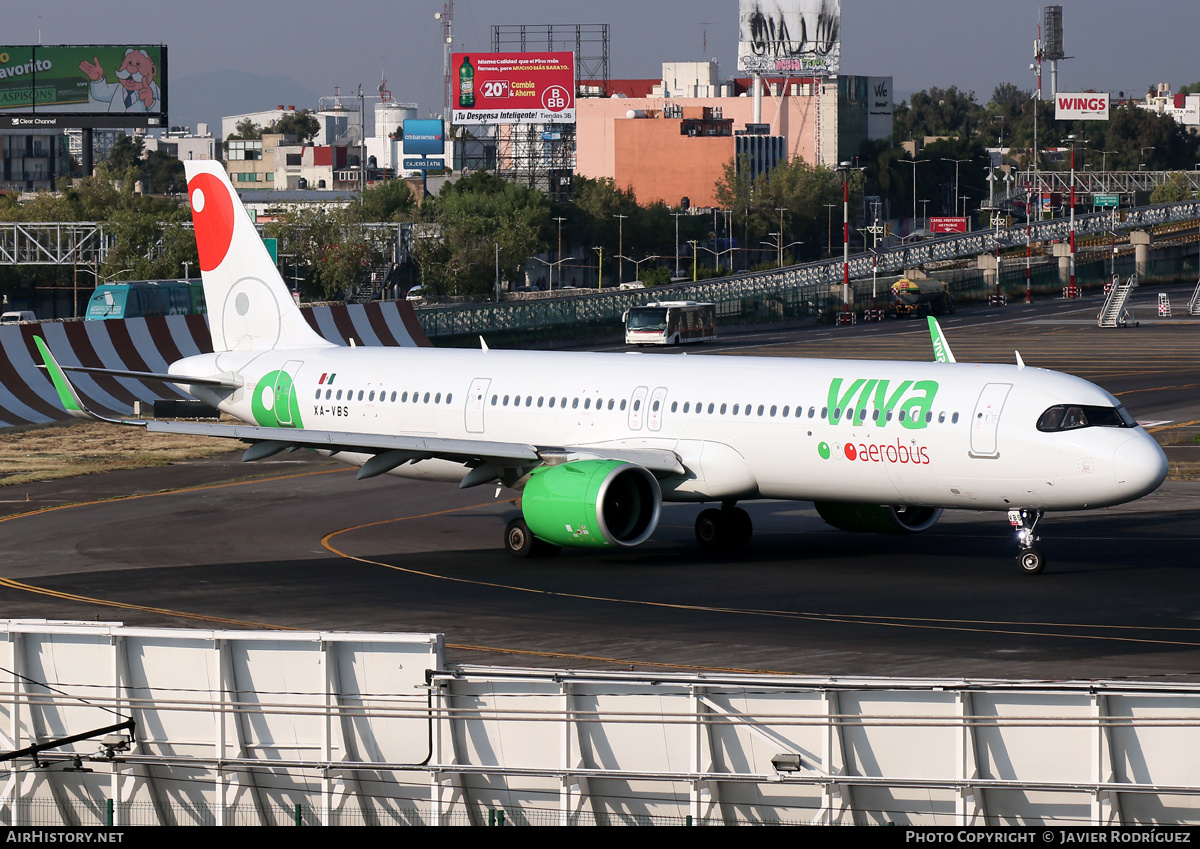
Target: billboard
[424,136]
[513,88]
[947,224]
[790,37]
[86,85]
[1081,106]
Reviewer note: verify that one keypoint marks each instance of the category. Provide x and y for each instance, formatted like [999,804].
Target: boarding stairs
[1194,303]
[1114,313]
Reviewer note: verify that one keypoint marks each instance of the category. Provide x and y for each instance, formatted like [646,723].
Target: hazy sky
[230,56]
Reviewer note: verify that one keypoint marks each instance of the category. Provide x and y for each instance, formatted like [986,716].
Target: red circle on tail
[213,221]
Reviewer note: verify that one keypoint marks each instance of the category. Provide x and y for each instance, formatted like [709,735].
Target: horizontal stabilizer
[189,380]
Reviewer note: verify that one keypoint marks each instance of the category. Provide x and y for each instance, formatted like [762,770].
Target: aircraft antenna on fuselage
[249,307]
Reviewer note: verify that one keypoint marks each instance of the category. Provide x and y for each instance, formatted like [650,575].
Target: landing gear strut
[1025,521]
[727,529]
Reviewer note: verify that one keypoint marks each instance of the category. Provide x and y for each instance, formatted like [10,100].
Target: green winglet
[941,348]
[66,392]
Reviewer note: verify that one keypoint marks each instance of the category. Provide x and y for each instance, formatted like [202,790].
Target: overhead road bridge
[89,242]
[1098,182]
[810,280]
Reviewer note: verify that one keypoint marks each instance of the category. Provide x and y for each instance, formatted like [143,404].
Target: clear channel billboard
[83,85]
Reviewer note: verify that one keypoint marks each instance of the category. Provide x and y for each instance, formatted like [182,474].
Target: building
[1184,108]
[820,120]
[33,161]
[183,144]
[334,122]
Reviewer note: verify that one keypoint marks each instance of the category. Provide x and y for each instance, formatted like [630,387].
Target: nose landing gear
[1025,521]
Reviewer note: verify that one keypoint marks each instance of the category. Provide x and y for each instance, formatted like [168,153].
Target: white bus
[670,323]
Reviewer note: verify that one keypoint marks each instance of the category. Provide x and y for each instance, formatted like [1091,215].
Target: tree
[795,187]
[303,125]
[126,153]
[1176,188]
[937,112]
[246,129]
[391,200]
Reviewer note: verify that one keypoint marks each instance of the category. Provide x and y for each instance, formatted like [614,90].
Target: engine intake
[592,504]
[878,519]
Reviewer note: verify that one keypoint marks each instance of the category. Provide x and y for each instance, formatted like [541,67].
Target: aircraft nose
[1139,466]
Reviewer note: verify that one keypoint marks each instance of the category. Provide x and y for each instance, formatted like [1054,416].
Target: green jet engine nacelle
[592,504]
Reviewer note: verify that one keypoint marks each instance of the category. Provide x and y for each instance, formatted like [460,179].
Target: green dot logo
[823,450]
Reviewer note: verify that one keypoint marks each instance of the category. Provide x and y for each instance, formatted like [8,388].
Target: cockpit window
[1074,416]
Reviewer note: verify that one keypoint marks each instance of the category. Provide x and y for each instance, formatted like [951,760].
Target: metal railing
[791,292]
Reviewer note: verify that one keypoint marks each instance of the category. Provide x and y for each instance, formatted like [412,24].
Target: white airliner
[595,443]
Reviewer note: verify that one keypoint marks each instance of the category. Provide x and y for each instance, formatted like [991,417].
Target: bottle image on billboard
[466,84]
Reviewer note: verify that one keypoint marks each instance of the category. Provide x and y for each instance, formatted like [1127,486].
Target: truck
[670,323]
[920,298]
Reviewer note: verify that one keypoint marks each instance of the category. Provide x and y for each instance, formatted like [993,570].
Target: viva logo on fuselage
[274,403]
[907,401]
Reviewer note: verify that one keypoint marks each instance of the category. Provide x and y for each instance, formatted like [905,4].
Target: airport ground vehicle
[670,323]
[920,298]
[144,298]
[595,443]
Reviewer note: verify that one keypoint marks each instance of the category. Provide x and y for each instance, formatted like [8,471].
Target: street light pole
[913,163]
[829,226]
[676,215]
[560,220]
[620,247]
[956,195]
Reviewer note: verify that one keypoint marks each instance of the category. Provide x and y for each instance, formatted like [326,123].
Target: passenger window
[637,405]
[622,403]
[517,401]
[328,393]
[551,401]
[686,406]
[449,397]
[736,407]
[426,397]
[610,403]
[901,415]
[875,416]
[318,398]
[493,400]
[954,419]
[541,398]
[942,417]
[393,396]
[505,400]
[656,405]
[437,399]
[360,395]
[710,408]
[574,403]
[587,403]
[675,406]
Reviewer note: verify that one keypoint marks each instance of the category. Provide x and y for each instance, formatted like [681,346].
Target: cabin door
[476,401]
[985,421]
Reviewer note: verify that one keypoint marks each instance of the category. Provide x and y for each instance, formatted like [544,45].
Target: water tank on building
[635,113]
[303,184]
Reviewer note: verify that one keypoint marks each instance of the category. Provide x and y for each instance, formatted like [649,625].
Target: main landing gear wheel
[1032,561]
[1025,520]
[727,529]
[521,542]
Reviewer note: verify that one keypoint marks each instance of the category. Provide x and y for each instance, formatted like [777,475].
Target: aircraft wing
[392,450]
[489,460]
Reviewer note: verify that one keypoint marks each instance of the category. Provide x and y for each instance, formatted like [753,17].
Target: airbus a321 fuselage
[596,443]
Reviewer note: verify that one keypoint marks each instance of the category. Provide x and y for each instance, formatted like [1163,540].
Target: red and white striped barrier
[152,344]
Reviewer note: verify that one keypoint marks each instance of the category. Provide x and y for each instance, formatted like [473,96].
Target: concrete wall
[152,344]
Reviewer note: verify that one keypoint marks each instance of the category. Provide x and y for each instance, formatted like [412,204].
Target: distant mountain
[209,97]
